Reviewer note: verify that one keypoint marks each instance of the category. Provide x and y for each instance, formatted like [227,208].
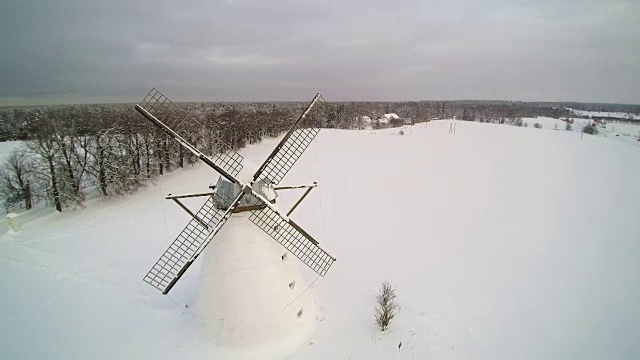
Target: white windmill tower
[252,295]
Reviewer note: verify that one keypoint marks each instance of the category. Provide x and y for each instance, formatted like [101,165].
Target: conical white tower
[252,295]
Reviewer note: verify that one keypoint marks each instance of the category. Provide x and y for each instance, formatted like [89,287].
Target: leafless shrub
[386,306]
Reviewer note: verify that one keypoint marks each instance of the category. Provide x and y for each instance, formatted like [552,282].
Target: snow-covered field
[625,129]
[545,122]
[503,243]
[619,115]
[623,132]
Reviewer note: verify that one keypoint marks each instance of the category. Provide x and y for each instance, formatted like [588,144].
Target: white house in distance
[365,122]
[384,120]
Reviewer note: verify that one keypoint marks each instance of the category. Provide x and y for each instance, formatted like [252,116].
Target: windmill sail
[189,130]
[293,238]
[189,243]
[291,147]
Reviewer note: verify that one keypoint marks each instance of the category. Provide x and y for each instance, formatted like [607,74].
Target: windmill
[236,208]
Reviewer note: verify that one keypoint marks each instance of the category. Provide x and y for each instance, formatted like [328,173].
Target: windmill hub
[226,192]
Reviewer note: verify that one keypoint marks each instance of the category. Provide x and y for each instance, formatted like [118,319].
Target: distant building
[390,116]
[386,119]
[363,122]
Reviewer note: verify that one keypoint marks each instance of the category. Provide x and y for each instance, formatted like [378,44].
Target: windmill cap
[226,191]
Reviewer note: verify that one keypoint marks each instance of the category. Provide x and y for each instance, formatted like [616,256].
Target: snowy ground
[619,115]
[545,122]
[6,148]
[624,129]
[503,243]
[623,132]
[620,131]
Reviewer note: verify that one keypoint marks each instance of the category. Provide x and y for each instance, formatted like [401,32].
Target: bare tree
[14,179]
[45,147]
[63,132]
[386,306]
[113,162]
[70,126]
[98,147]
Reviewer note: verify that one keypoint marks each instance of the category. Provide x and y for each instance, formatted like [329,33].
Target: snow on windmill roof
[227,191]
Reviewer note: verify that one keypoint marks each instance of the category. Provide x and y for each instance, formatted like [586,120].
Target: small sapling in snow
[386,306]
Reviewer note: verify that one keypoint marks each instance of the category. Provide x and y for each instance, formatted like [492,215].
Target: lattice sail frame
[191,130]
[292,146]
[189,244]
[294,239]
[286,232]
[196,236]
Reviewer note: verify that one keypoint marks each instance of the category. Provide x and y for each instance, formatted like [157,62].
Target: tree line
[15,121]
[70,150]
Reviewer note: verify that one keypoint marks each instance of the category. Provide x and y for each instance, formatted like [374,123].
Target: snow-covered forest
[70,152]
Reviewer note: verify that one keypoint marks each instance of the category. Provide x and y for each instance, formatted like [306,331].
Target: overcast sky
[71,51]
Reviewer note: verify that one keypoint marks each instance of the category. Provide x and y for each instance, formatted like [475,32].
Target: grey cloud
[73,50]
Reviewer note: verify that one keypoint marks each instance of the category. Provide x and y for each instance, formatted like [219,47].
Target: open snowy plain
[502,242]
